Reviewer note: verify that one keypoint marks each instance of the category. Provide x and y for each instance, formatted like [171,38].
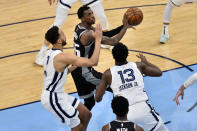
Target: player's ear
[59,41]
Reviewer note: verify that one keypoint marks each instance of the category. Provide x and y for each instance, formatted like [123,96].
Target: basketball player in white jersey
[65,107]
[62,9]
[126,79]
[167,15]
[190,81]
[120,107]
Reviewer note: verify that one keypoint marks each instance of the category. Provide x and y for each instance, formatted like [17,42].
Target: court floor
[161,90]
[22,27]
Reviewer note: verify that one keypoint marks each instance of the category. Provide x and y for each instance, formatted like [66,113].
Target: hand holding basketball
[126,22]
[134,16]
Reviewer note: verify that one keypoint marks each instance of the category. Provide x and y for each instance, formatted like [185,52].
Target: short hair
[120,52]
[81,11]
[52,34]
[120,106]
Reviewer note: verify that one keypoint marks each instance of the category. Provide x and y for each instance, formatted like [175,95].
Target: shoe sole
[164,41]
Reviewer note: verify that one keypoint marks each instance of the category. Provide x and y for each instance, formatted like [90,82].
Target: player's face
[89,16]
[62,37]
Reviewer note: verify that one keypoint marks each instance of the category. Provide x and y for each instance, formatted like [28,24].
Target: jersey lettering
[127,76]
[75,36]
[77,49]
[48,57]
[122,129]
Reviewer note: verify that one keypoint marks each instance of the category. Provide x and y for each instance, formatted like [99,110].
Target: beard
[64,43]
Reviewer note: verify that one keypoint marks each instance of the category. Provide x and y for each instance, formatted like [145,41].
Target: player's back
[53,81]
[127,81]
[117,125]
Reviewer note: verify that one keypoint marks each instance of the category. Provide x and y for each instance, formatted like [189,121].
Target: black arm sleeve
[113,32]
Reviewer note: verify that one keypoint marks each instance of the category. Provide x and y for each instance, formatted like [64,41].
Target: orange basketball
[134,16]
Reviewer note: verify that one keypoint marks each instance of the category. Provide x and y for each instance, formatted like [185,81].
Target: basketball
[134,16]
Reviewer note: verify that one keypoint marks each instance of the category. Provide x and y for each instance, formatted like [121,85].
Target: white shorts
[144,115]
[63,106]
[180,2]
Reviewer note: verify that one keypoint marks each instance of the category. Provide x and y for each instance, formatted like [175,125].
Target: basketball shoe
[164,35]
[164,38]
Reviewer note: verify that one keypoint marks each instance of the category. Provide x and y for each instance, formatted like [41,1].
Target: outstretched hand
[180,92]
[142,58]
[98,32]
[51,2]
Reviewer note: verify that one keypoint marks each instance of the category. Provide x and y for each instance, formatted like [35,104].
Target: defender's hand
[142,58]
[98,32]
[180,92]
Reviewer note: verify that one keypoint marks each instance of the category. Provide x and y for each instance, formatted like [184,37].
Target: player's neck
[124,118]
[121,63]
[57,47]
[86,25]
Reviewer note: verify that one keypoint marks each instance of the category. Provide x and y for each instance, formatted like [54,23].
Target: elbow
[95,63]
[159,73]
[98,99]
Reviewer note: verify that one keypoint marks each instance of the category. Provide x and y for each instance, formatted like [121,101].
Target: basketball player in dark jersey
[86,78]
[120,107]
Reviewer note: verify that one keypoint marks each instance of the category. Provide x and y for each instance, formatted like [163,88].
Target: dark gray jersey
[86,78]
[121,126]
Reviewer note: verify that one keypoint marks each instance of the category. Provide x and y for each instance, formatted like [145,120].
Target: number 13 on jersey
[126,75]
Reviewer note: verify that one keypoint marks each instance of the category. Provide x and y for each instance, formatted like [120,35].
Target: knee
[89,115]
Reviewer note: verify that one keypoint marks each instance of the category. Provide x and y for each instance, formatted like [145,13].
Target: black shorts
[86,83]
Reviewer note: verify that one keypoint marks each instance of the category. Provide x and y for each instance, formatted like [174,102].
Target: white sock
[165,29]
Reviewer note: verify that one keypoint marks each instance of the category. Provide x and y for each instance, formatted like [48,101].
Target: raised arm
[63,59]
[106,80]
[147,68]
[113,32]
[190,81]
[113,40]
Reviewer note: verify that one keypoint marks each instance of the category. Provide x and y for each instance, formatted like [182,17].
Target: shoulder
[140,66]
[107,73]
[64,56]
[105,128]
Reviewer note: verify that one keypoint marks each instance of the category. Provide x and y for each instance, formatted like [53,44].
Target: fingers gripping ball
[134,16]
